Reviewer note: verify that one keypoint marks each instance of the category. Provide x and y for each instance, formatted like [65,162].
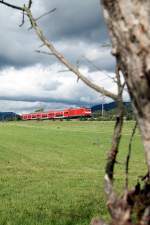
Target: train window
[44,115]
[59,115]
[50,114]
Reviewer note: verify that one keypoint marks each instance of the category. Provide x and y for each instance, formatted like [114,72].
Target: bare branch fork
[44,14]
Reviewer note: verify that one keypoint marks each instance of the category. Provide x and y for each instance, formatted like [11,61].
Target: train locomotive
[59,114]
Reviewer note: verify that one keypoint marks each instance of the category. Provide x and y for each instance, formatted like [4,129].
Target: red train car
[59,114]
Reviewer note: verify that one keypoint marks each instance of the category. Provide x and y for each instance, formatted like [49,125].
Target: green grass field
[51,173]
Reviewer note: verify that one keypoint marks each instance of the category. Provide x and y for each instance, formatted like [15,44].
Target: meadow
[51,172]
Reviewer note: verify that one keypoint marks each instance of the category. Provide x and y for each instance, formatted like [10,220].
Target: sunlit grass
[52,172]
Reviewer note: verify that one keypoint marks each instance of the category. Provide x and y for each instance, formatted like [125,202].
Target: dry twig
[129,155]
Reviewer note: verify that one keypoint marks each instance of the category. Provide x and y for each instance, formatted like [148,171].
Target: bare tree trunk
[129,27]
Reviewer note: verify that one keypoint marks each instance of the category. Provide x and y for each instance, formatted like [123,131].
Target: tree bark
[129,27]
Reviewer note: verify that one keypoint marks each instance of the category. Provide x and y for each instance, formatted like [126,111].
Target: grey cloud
[68,102]
[75,19]
[76,28]
[24,106]
[74,22]
[53,86]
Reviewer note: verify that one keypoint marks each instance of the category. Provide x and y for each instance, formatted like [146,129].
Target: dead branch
[23,19]
[115,142]
[43,15]
[43,52]
[117,131]
[146,177]
[97,67]
[63,71]
[129,155]
[64,61]
[113,202]
[30,4]
[12,6]
[42,45]
[58,55]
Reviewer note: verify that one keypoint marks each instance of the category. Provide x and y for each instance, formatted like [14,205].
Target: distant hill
[109,106]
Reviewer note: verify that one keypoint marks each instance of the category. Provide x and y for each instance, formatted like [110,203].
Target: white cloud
[35,84]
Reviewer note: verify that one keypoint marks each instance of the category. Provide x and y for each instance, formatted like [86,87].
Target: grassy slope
[52,172]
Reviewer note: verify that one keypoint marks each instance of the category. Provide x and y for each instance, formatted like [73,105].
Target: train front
[87,112]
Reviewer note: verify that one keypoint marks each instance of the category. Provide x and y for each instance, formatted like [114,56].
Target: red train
[59,114]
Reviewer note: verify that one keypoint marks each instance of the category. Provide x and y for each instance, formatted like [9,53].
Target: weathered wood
[129,27]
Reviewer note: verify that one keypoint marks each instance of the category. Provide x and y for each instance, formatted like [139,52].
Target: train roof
[57,110]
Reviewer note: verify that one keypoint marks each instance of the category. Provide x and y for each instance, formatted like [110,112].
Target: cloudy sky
[29,80]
